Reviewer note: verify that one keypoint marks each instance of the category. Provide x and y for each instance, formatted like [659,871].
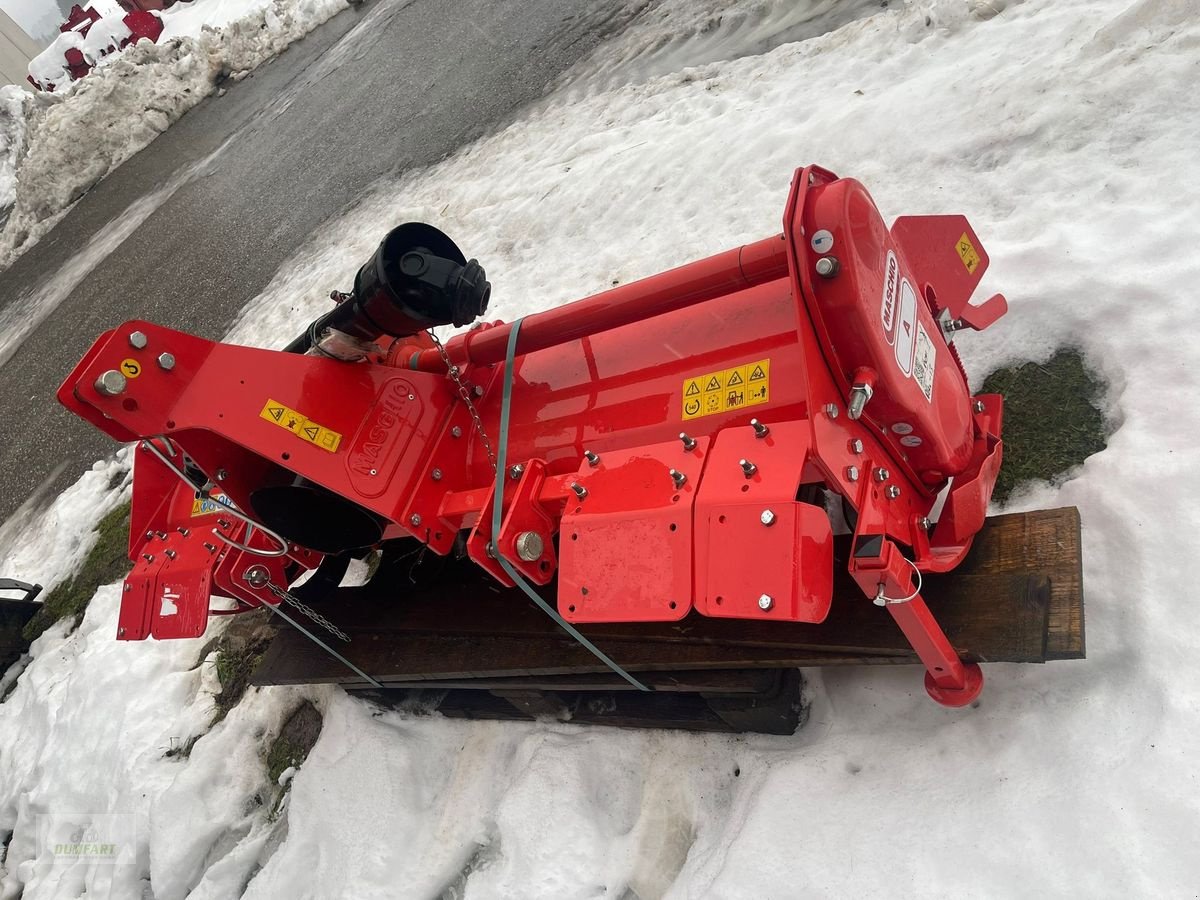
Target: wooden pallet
[1018,597]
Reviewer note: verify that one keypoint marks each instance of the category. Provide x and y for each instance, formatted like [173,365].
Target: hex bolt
[748,468]
[436,474]
[978,406]
[529,546]
[414,520]
[856,446]
[161,535]
[148,557]
[760,430]
[831,410]
[515,472]
[137,340]
[678,477]
[222,474]
[827,266]
[111,383]
[211,548]
[184,531]
[852,473]
[170,554]
[893,491]
[767,517]
[455,432]
[689,443]
[882,474]
[592,458]
[149,535]
[923,523]
[477,391]
[166,361]
[579,489]
[765,602]
[257,576]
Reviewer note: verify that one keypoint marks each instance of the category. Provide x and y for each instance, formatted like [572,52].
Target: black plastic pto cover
[418,278]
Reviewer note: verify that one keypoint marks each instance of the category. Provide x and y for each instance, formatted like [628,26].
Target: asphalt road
[377,89]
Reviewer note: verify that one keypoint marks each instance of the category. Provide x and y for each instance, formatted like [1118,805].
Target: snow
[12,139]
[1066,132]
[86,129]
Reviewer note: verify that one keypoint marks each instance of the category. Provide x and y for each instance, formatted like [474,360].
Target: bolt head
[856,446]
[893,491]
[436,474]
[765,602]
[111,383]
[414,520]
[256,576]
[137,340]
[456,432]
[827,266]
[831,410]
[978,406]
[923,523]
[515,472]
[222,474]
[882,474]
[529,546]
[767,518]
[166,361]
[852,473]
[477,390]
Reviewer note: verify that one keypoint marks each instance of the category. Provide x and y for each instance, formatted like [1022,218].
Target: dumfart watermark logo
[99,838]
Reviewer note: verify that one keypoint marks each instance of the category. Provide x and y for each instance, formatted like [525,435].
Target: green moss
[238,654]
[105,563]
[1051,419]
[291,748]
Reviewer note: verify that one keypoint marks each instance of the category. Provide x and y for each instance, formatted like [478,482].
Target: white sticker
[891,290]
[906,328]
[902,428]
[910,440]
[822,241]
[923,366]
[169,608]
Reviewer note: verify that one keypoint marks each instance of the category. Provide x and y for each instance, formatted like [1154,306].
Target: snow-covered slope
[69,140]
[1066,130]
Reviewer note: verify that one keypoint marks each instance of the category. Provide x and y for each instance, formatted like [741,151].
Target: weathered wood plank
[1017,598]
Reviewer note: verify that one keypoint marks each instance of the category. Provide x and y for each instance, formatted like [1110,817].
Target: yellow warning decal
[285,417]
[215,502]
[131,368]
[967,253]
[727,390]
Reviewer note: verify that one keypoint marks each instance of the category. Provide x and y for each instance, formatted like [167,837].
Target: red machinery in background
[138,21]
[685,444]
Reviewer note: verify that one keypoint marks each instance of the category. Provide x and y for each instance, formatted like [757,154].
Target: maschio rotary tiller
[684,446]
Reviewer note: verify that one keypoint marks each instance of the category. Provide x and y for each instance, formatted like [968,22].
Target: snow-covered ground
[1066,130]
[54,147]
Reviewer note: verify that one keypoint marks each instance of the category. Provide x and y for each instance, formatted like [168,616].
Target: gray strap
[320,643]
[498,511]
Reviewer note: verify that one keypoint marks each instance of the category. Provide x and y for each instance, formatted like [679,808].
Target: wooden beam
[1016,598]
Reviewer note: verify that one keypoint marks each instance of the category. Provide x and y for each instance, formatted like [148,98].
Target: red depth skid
[810,364]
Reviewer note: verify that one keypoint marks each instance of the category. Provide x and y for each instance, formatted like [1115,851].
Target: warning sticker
[923,363]
[215,502]
[967,253]
[286,417]
[729,389]
[131,368]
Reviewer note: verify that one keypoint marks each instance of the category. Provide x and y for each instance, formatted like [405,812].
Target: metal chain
[455,376]
[308,611]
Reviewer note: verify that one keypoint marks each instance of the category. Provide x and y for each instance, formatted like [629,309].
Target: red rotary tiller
[684,444]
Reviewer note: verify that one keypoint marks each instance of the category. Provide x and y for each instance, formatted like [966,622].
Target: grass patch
[1051,419]
[239,651]
[105,563]
[291,748]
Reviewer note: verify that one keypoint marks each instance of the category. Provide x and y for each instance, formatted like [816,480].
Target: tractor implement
[687,485]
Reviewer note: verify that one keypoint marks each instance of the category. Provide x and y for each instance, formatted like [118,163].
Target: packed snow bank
[1066,132]
[76,137]
[12,141]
